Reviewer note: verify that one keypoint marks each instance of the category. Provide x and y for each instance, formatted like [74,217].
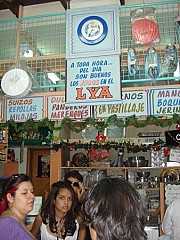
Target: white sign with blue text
[24,109]
[164,101]
[93,80]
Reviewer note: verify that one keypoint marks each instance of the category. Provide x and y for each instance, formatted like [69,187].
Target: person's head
[74,178]
[60,200]
[113,208]
[18,195]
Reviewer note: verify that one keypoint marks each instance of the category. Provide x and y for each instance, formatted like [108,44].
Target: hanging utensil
[177,23]
[118,161]
[152,65]
[171,58]
[132,61]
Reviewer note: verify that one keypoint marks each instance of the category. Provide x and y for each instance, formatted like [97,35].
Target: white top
[171,221]
[46,236]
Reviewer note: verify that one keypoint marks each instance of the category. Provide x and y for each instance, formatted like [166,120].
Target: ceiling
[13,5]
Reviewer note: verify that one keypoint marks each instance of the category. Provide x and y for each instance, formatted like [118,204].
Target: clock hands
[92,30]
[15,78]
[90,33]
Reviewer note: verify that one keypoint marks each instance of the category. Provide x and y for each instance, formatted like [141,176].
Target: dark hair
[2,182]
[48,209]
[114,209]
[10,186]
[73,174]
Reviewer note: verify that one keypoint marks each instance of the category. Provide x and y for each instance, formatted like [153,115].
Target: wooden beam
[64,3]
[122,2]
[18,36]
[30,40]
[13,7]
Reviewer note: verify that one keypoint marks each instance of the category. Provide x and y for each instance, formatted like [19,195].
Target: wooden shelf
[122,168]
[46,63]
[149,189]
[141,52]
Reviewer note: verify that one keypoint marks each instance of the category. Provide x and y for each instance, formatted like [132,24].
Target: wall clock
[92,30]
[16,83]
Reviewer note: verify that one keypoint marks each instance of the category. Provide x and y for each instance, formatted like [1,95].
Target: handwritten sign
[93,81]
[172,192]
[133,103]
[57,109]
[25,108]
[174,154]
[165,101]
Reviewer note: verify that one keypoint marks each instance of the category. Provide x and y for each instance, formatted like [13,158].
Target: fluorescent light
[53,77]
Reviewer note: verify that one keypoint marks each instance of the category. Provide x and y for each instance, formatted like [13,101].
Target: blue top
[11,229]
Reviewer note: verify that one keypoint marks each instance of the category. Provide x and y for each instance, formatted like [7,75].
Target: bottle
[4,135]
[12,155]
[9,155]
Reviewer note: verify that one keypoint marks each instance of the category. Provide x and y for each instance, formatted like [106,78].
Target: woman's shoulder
[10,228]
[7,221]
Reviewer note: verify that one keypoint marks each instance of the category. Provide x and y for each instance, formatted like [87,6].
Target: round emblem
[92,30]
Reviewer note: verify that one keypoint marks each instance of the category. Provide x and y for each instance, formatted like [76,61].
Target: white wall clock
[92,30]
[16,83]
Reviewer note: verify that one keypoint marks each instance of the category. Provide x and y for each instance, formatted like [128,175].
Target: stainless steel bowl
[137,161]
[143,174]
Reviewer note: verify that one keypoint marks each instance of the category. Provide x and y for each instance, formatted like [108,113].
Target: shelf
[47,63]
[141,51]
[122,168]
[28,142]
[149,189]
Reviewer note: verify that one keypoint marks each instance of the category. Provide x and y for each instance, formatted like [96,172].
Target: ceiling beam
[122,2]
[13,7]
[64,3]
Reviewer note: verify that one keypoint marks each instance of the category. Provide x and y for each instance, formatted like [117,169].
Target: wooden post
[162,205]
[55,166]
[18,37]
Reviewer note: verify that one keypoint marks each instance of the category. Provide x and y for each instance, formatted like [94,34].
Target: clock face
[92,30]
[16,82]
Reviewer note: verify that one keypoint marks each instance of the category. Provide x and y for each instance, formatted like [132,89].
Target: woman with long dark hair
[58,217]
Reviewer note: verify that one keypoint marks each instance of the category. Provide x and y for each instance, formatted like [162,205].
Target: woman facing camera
[114,211]
[17,201]
[58,218]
